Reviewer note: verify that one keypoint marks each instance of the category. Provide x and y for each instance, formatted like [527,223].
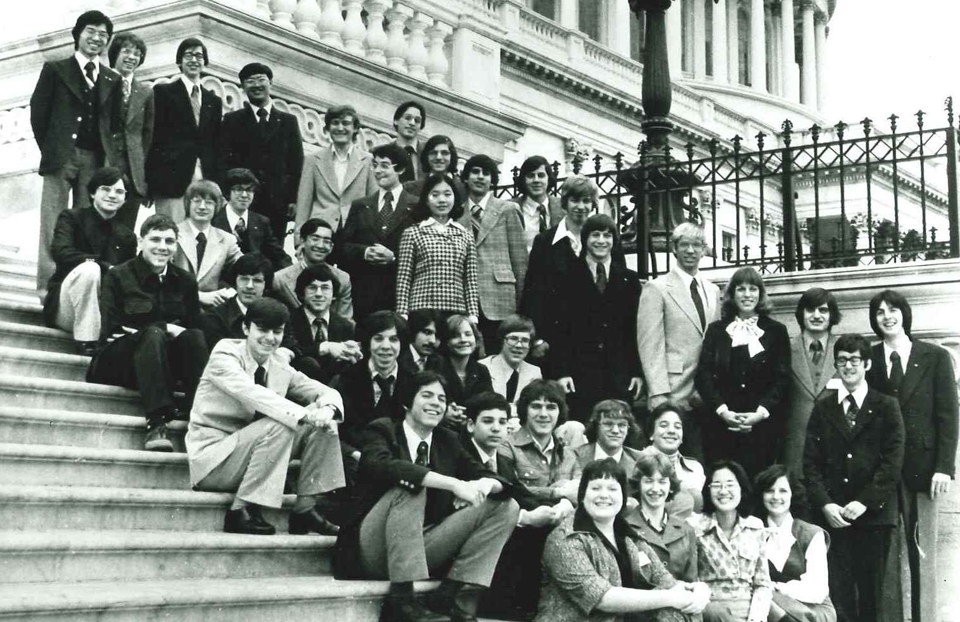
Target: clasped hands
[378,255]
[692,597]
[321,416]
[348,350]
[842,516]
[742,422]
[472,493]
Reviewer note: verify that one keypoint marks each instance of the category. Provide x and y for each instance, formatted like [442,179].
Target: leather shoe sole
[312,521]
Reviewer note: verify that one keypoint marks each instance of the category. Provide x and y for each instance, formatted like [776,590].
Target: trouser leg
[391,537]
[876,594]
[321,462]
[840,573]
[921,530]
[78,311]
[188,352]
[171,206]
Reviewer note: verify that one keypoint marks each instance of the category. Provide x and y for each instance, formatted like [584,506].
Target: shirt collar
[482,202]
[194,230]
[563,232]
[592,264]
[484,455]
[416,356]
[504,366]
[254,108]
[243,309]
[233,217]
[859,394]
[311,317]
[534,206]
[786,527]
[904,352]
[374,373]
[413,441]
[337,156]
[83,60]
[808,340]
[188,84]
[686,278]
[395,191]
[430,222]
[600,454]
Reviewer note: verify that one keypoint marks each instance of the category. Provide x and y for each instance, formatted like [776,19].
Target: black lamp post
[657,90]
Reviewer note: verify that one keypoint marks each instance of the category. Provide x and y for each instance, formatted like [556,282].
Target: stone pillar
[821,52]
[758,47]
[396,51]
[417,56]
[688,36]
[353,30]
[720,42]
[282,12]
[733,41]
[675,39]
[788,50]
[699,39]
[306,16]
[808,76]
[568,14]
[774,83]
[331,24]
[376,38]
[475,60]
[618,27]
[438,65]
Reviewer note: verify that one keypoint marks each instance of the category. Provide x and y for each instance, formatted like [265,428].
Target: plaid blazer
[437,269]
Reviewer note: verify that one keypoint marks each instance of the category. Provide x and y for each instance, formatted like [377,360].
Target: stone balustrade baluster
[306,17]
[396,51]
[282,12]
[417,56]
[331,24]
[353,29]
[376,37]
[438,66]
[263,10]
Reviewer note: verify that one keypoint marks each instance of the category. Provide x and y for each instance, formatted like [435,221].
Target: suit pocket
[502,275]
[674,363]
[137,307]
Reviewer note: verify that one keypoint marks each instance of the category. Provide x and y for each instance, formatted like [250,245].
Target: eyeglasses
[382,166]
[514,340]
[198,201]
[316,239]
[725,486]
[192,56]
[853,361]
[256,81]
[120,192]
[614,425]
[94,33]
[243,190]
[690,246]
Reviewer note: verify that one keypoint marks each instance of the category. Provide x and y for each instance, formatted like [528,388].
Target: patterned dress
[437,269]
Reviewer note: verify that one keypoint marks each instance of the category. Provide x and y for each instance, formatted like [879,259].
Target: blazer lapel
[402,441]
[273,125]
[827,370]
[353,168]
[105,83]
[682,297]
[325,165]
[72,76]
[188,244]
[211,253]
[867,412]
[399,213]
[490,217]
[801,364]
[206,107]
[138,94]
[915,370]
[836,417]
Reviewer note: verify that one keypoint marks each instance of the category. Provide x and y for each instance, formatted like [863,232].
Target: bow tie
[744,332]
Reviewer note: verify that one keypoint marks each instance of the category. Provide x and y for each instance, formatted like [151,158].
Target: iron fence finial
[760,138]
[841,127]
[893,122]
[919,115]
[596,163]
[867,124]
[736,142]
[815,132]
[713,146]
[787,127]
[948,106]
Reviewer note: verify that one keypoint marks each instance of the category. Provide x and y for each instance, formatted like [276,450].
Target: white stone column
[417,56]
[282,12]
[774,83]
[821,51]
[688,36]
[353,30]
[396,51]
[788,50]
[699,39]
[475,64]
[306,16]
[438,66]
[720,41]
[758,47]
[618,26]
[733,41]
[568,14]
[808,67]
[331,24]
[675,39]
[376,38]
[263,10]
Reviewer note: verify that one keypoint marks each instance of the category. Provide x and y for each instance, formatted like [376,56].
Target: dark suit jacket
[178,141]
[386,463]
[57,104]
[928,403]
[374,286]
[841,465]
[82,235]
[132,134]
[339,329]
[258,237]
[356,388]
[223,322]
[548,270]
[477,381]
[275,156]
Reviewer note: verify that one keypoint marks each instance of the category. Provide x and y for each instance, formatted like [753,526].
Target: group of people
[477,389]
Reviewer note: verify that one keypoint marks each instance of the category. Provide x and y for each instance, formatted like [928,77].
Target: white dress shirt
[904,351]
[563,232]
[413,441]
[813,586]
[340,165]
[600,454]
[82,61]
[859,394]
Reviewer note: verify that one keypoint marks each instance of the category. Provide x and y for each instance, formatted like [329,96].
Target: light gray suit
[285,285]
[320,194]
[219,255]
[803,394]
[669,336]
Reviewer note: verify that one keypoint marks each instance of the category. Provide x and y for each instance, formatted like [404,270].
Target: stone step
[41,364]
[68,395]
[21,295]
[17,335]
[21,312]
[20,275]
[199,600]
[17,284]
[142,555]
[83,466]
[10,256]
[54,507]
[39,426]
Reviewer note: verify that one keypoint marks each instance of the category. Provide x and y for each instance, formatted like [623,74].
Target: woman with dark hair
[743,377]
[457,363]
[654,484]
[665,431]
[796,552]
[730,548]
[597,569]
[437,265]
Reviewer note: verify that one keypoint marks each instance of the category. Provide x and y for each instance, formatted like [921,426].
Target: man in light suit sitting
[249,418]
[672,317]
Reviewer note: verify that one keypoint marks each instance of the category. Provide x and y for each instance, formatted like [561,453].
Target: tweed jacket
[841,465]
[221,251]
[274,153]
[227,400]
[669,336]
[437,269]
[83,235]
[501,257]
[928,403]
[132,134]
[579,567]
[500,374]
[57,105]
[676,545]
[520,456]
[285,285]
[258,237]
[801,395]
[320,195]
[575,461]
[178,142]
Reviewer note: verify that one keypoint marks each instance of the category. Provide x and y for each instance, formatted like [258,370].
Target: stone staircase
[94,528]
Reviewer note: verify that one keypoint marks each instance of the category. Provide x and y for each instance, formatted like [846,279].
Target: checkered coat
[437,269]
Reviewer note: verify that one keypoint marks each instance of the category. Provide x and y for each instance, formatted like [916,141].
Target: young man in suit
[266,140]
[424,507]
[316,245]
[186,136]
[253,231]
[422,325]
[509,370]
[203,250]
[594,357]
[540,210]
[252,413]
[133,126]
[322,340]
[370,239]
[334,177]
[70,114]
[249,276]
[672,318]
[851,463]
[921,377]
[610,425]
[501,251]
[149,330]
[409,120]
[811,367]
[87,243]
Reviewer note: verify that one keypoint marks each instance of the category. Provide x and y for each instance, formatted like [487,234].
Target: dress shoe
[459,599]
[404,608]
[312,520]
[247,520]
[87,348]
[156,439]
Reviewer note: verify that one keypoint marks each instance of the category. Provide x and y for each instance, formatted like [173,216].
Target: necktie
[477,213]
[852,411]
[542,211]
[88,71]
[896,372]
[319,331]
[512,384]
[423,451]
[412,153]
[126,90]
[260,378]
[490,465]
[261,121]
[195,103]
[201,249]
[241,227]
[601,278]
[816,353]
[698,303]
[385,385]
[386,212]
